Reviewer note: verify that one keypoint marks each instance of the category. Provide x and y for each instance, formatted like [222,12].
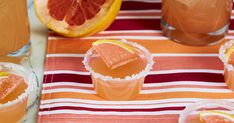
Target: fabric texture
[181,75]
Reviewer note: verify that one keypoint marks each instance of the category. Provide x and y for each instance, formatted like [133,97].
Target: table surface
[36,61]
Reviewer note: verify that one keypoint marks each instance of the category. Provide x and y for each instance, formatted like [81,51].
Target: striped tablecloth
[181,76]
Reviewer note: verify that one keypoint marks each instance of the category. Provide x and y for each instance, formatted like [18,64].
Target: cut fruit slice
[7,84]
[76,18]
[216,117]
[230,55]
[115,53]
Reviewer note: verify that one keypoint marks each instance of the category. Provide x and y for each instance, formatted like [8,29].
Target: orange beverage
[15,31]
[14,91]
[196,22]
[123,82]
[208,111]
[227,56]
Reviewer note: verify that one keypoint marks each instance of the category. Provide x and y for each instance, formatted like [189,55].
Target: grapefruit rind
[4,74]
[216,113]
[229,52]
[100,22]
[115,42]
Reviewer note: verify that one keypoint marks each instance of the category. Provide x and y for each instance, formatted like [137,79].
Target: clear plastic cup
[191,112]
[13,111]
[112,88]
[228,68]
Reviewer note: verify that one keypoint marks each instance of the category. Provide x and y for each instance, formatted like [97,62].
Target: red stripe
[134,5]
[135,24]
[141,24]
[207,77]
[117,110]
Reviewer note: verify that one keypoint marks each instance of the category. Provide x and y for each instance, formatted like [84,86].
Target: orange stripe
[154,46]
[157,96]
[107,118]
[161,63]
[144,88]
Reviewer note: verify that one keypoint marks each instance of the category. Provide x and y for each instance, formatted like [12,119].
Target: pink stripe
[161,63]
[74,118]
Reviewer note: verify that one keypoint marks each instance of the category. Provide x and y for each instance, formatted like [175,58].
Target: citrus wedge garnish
[230,55]
[7,84]
[216,117]
[115,53]
[76,18]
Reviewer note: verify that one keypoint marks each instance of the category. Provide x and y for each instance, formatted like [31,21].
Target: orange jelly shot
[227,56]
[123,82]
[14,91]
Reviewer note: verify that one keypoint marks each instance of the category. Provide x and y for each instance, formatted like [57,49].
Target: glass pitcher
[15,30]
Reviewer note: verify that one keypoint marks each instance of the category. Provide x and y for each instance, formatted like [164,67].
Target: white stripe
[142,91]
[150,1]
[68,90]
[105,113]
[144,85]
[125,37]
[138,17]
[208,90]
[130,31]
[150,73]
[155,55]
[115,106]
[66,72]
[135,102]
[184,83]
[140,11]
[119,37]
[66,84]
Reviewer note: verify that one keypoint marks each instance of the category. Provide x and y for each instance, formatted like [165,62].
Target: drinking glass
[196,22]
[15,30]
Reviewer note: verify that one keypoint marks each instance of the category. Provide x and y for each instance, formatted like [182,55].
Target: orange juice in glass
[227,57]
[15,30]
[123,82]
[196,22]
[15,86]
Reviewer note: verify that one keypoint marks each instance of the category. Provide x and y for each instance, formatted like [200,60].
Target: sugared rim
[223,49]
[128,78]
[220,103]
[27,91]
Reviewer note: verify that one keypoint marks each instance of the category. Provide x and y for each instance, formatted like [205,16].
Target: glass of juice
[15,30]
[208,111]
[123,82]
[15,87]
[226,54]
[196,22]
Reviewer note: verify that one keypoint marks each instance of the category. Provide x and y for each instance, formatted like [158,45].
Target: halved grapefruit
[216,117]
[115,53]
[76,18]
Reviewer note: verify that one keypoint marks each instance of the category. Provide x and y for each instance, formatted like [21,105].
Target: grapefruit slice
[8,83]
[230,55]
[76,18]
[115,53]
[216,117]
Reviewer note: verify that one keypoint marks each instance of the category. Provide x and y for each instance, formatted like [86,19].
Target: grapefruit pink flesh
[74,12]
[115,53]
[216,117]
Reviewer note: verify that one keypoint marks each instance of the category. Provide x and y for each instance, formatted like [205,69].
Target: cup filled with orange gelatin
[196,22]
[208,111]
[15,87]
[226,54]
[118,68]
